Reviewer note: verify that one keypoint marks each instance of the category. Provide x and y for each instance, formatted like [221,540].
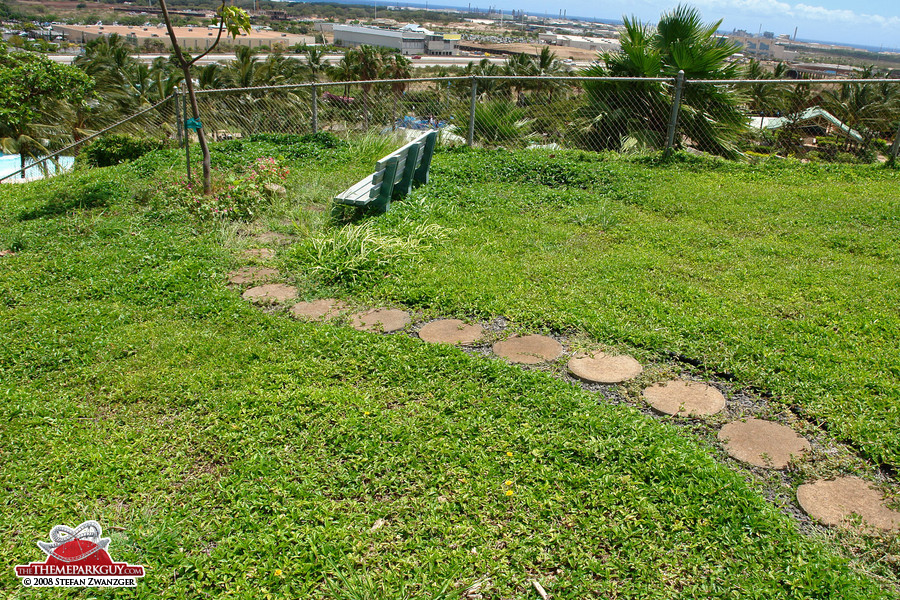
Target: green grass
[226,443]
[784,278]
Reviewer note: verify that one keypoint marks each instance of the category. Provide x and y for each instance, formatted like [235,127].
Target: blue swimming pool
[9,163]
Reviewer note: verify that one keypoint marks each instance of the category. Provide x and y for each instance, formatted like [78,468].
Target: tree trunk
[195,111]
[201,135]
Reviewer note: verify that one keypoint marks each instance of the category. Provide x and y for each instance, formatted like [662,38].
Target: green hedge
[115,149]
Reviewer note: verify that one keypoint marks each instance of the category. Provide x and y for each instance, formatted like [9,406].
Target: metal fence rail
[826,119]
[155,120]
[851,120]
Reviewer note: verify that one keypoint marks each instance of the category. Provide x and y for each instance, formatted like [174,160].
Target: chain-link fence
[841,120]
[63,141]
[846,120]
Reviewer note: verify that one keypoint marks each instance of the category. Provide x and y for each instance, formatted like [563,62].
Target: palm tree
[547,65]
[519,65]
[281,69]
[245,70]
[109,62]
[868,108]
[316,63]
[710,116]
[396,66]
[211,77]
[764,99]
[486,87]
[365,63]
[25,145]
[615,112]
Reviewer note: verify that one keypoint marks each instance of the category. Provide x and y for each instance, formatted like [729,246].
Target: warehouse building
[409,40]
[584,43]
[765,47]
[190,38]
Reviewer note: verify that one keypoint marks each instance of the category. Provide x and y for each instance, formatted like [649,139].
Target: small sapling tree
[232,19]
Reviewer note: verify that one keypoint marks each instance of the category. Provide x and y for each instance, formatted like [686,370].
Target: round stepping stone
[380,319]
[272,237]
[832,502]
[273,292]
[762,443]
[450,331]
[247,275]
[598,367]
[529,349]
[260,253]
[685,398]
[318,310]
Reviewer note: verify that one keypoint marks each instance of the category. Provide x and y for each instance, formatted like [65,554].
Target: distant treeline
[325,10]
[859,57]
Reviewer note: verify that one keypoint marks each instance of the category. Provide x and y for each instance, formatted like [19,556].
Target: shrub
[882,146]
[233,154]
[83,192]
[499,122]
[236,194]
[115,149]
[355,252]
[845,157]
[323,139]
[830,146]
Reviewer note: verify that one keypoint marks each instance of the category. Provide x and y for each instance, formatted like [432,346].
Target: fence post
[187,136]
[178,117]
[895,148]
[673,118]
[315,109]
[471,135]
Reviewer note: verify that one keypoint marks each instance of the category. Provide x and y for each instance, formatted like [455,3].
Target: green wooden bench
[394,175]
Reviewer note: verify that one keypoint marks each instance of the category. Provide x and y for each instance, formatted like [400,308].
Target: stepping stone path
[754,441]
[598,367]
[273,237]
[260,253]
[273,292]
[529,349]
[685,398]
[451,331]
[385,320]
[762,443]
[319,310]
[833,502]
[247,275]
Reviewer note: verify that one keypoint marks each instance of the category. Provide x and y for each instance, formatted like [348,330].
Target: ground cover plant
[782,277]
[236,452]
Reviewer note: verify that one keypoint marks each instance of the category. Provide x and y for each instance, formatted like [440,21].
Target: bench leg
[421,175]
[337,211]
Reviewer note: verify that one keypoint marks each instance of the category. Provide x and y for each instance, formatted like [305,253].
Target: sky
[867,22]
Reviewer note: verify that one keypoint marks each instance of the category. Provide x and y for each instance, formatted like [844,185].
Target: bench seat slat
[404,171]
[365,184]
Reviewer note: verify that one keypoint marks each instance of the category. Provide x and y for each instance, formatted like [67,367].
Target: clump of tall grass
[373,145]
[357,252]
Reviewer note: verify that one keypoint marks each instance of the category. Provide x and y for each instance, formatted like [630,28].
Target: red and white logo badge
[78,558]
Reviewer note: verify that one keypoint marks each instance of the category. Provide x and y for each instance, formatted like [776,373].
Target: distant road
[427,61]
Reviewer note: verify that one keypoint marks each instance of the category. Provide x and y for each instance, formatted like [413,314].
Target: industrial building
[584,43]
[409,40]
[766,47]
[190,38]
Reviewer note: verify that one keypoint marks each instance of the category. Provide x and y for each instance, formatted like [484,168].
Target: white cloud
[770,8]
[820,13]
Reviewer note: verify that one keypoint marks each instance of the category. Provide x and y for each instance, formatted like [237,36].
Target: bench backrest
[396,173]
